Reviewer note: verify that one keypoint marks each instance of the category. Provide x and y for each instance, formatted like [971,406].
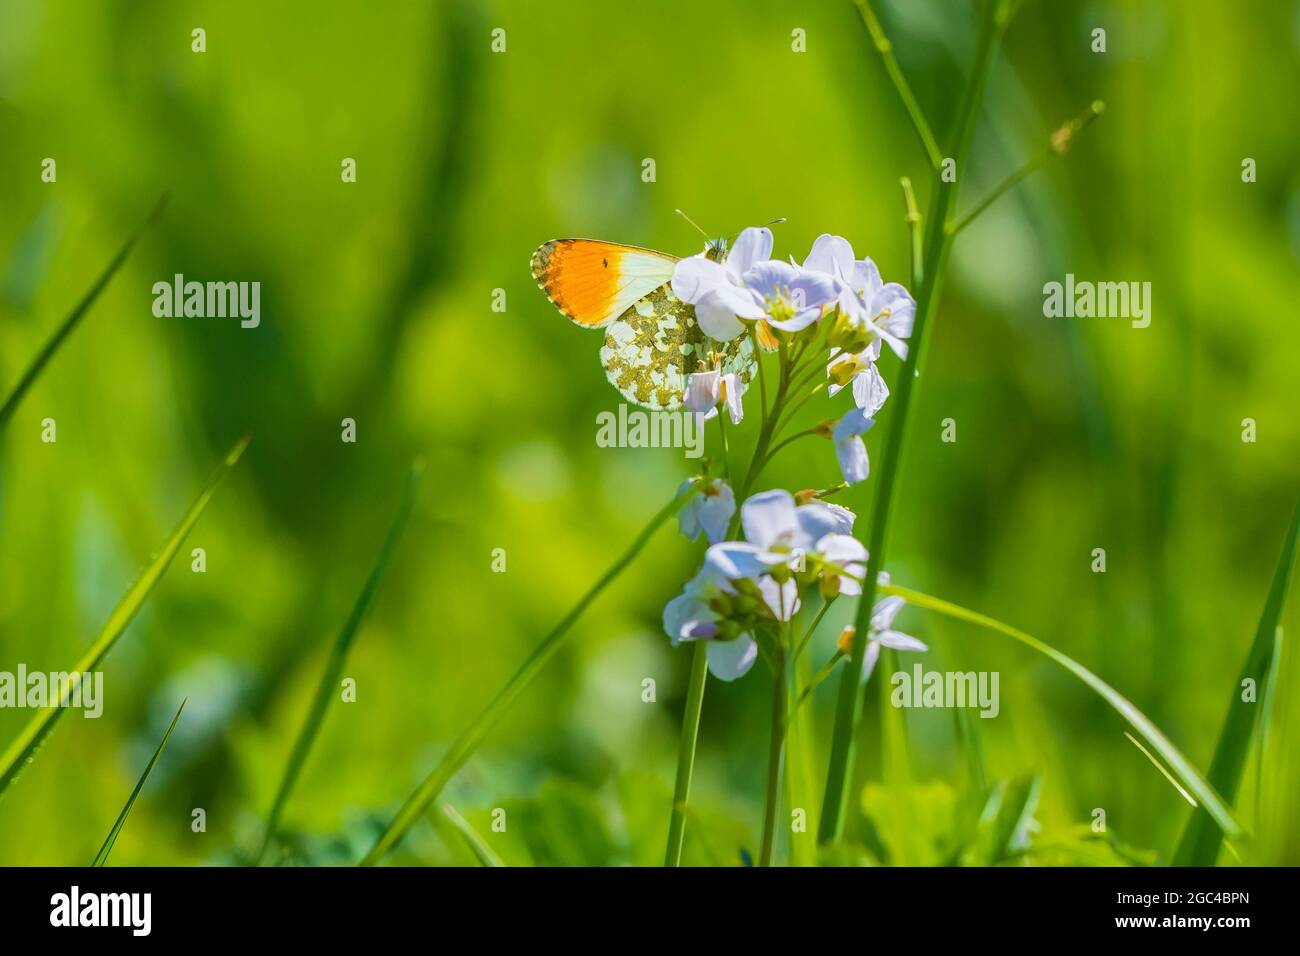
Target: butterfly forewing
[652,341]
[594,282]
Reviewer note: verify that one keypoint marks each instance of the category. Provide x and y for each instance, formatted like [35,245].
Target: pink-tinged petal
[752,245]
[768,517]
[729,660]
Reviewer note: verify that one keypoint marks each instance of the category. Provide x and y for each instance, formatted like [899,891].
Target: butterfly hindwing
[594,282]
[651,348]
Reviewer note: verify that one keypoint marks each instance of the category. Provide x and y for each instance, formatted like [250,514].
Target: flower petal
[752,245]
[830,254]
[900,641]
[852,455]
[730,561]
[694,277]
[702,391]
[716,320]
[768,517]
[783,599]
[729,660]
[869,390]
[733,392]
[869,660]
[886,609]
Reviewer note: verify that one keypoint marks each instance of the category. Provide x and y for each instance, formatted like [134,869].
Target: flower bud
[845,640]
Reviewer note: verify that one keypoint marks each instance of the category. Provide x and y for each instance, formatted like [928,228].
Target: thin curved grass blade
[74,318]
[338,656]
[1179,765]
[1164,772]
[102,856]
[485,855]
[24,748]
[1200,842]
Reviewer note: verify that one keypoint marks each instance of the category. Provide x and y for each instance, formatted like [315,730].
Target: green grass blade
[22,750]
[1200,842]
[102,856]
[74,318]
[1155,762]
[1179,765]
[485,855]
[468,742]
[329,681]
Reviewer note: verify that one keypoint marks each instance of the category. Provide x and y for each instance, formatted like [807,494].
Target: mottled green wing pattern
[651,348]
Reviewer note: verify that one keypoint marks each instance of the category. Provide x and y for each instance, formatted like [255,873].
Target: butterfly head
[715,249]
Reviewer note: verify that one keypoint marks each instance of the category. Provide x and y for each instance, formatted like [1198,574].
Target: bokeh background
[376,305]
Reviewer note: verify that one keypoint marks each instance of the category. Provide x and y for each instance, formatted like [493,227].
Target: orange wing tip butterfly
[652,341]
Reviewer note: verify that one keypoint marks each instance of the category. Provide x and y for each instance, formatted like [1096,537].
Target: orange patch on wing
[581,277]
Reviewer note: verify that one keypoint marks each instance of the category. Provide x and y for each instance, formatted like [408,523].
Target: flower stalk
[937,245]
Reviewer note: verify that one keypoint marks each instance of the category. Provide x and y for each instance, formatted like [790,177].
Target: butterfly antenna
[776,222]
[692,222]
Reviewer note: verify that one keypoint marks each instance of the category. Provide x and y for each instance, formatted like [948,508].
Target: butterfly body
[652,341]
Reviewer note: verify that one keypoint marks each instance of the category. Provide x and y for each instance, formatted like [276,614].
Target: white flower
[849,447]
[884,309]
[717,290]
[880,634]
[706,390]
[691,617]
[709,511]
[859,370]
[847,554]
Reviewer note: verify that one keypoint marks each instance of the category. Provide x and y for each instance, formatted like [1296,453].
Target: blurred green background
[376,305]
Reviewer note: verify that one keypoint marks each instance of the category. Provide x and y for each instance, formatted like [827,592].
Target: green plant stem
[686,752]
[776,750]
[1056,145]
[937,246]
[913,219]
[886,50]
[726,447]
[699,663]
[419,801]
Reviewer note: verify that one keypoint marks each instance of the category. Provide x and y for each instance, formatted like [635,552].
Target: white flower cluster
[833,300]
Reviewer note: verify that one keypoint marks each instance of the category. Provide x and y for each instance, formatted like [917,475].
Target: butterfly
[652,341]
